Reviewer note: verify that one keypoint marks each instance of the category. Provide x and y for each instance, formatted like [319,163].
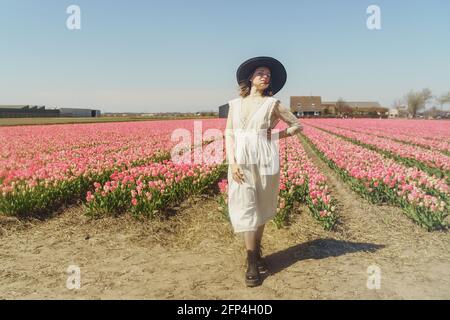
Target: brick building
[313,106]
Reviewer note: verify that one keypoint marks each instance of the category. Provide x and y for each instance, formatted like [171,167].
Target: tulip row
[433,162]
[424,199]
[389,132]
[426,129]
[427,134]
[148,190]
[43,196]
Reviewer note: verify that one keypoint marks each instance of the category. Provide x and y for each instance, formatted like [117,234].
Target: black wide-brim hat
[278,73]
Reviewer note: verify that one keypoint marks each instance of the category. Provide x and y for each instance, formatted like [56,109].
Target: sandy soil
[193,254]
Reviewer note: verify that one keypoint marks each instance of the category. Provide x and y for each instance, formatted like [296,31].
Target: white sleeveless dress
[254,202]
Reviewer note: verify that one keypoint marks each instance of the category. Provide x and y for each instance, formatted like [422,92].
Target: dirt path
[194,255]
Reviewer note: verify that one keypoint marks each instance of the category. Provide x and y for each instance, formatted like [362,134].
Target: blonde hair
[245,87]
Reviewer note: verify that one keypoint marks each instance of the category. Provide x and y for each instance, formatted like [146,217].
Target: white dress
[254,202]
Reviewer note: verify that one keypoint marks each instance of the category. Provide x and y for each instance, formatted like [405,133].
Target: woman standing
[252,154]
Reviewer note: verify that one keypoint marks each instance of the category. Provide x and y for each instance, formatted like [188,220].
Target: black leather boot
[252,276]
[260,263]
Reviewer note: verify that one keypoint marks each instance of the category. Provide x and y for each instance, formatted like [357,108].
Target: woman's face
[261,78]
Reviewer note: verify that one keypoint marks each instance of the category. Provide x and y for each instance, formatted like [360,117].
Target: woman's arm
[283,113]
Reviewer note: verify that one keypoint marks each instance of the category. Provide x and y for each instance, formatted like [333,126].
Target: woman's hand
[284,133]
[237,173]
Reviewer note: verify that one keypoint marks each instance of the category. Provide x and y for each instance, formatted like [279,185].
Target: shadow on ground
[316,249]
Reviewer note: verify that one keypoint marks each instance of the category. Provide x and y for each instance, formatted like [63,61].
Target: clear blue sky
[153,56]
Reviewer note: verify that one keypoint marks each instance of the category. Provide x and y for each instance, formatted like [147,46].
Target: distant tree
[433,112]
[417,100]
[443,99]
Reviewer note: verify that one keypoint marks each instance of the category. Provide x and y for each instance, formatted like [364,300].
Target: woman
[252,154]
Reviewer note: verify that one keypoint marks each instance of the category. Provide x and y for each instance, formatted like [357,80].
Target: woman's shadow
[316,249]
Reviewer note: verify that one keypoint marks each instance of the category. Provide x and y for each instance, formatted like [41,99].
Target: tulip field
[433,159]
[43,167]
[114,168]
[385,171]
